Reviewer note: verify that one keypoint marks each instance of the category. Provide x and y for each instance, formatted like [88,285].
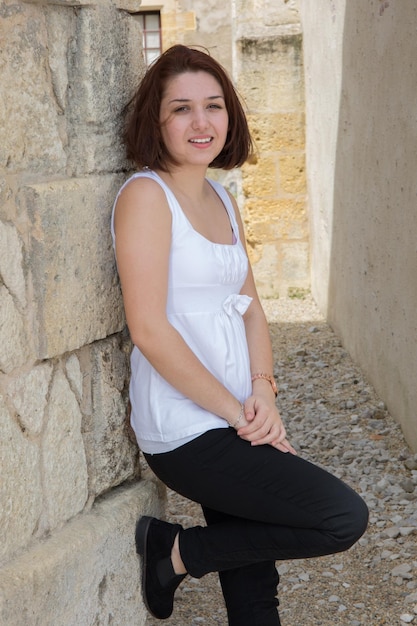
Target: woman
[202,388]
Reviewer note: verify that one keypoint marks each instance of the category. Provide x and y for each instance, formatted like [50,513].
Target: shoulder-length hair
[143,139]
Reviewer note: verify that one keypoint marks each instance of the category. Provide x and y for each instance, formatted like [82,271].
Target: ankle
[177,562]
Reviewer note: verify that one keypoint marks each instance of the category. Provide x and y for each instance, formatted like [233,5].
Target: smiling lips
[203,141]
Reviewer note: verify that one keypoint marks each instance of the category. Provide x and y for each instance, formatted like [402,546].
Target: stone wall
[361,72]
[269,71]
[69,490]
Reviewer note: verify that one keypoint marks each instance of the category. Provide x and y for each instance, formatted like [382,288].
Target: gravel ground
[334,418]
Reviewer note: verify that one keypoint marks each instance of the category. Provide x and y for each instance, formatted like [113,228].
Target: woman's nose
[200,120]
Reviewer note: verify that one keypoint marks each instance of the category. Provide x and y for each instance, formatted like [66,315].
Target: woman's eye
[181,109]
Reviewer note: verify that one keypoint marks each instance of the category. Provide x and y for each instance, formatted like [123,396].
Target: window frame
[150,53]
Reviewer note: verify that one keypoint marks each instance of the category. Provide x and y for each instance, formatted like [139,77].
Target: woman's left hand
[265,425]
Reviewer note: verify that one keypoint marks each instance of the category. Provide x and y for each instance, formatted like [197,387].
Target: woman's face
[194,120]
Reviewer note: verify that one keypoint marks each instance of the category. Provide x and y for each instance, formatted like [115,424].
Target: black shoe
[154,541]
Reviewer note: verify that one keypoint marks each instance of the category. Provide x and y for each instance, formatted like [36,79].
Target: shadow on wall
[373,264]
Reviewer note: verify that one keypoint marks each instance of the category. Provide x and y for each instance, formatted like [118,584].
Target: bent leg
[289,508]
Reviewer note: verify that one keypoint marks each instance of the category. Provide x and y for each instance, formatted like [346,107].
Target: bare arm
[265,424]
[143,239]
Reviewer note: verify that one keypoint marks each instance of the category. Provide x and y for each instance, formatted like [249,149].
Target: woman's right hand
[263,424]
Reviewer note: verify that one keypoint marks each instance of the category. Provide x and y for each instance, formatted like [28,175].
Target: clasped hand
[264,425]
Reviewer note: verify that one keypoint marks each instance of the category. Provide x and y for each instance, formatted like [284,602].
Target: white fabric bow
[236,302]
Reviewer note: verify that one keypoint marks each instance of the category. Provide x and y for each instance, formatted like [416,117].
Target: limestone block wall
[69,488]
[269,73]
[361,72]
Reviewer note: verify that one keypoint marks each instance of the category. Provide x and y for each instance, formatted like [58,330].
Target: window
[152,40]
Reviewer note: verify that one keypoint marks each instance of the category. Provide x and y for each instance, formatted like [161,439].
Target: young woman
[202,389]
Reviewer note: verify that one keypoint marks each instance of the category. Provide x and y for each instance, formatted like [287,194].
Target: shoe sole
[141,537]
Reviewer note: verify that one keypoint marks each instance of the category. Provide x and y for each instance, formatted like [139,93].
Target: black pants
[261,505]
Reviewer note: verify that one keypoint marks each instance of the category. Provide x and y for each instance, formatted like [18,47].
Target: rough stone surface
[29,122]
[273,17]
[20,486]
[111,451]
[13,339]
[28,393]
[75,375]
[334,418]
[64,466]
[294,264]
[270,77]
[280,220]
[11,262]
[88,573]
[283,130]
[78,300]
[98,86]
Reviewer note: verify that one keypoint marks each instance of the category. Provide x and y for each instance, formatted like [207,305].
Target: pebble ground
[334,418]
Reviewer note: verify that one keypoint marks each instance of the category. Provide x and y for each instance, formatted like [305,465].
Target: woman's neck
[191,184]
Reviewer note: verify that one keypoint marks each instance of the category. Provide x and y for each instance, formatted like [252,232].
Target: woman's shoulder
[144,183]
[143,180]
[141,205]
[142,191]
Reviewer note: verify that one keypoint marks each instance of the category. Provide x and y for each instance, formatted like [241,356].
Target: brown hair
[143,137]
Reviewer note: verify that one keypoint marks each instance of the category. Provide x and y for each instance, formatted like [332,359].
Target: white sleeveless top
[205,307]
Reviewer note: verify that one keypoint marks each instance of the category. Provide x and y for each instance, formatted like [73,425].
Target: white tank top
[205,307]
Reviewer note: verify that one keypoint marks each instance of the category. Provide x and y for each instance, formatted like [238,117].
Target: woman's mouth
[201,141]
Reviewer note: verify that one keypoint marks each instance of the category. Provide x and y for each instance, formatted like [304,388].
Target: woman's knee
[352,524]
